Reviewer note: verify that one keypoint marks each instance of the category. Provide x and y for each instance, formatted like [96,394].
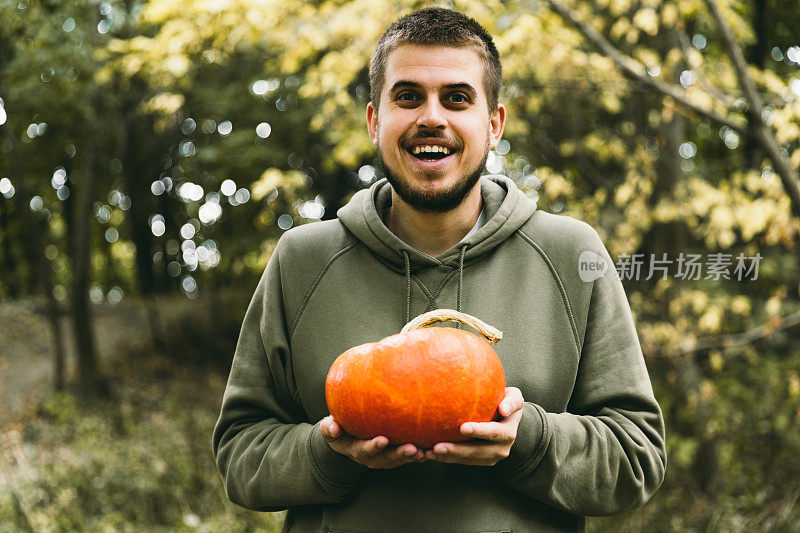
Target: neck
[434,233]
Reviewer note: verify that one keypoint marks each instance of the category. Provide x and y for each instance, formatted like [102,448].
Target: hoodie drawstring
[408,285]
[407,261]
[460,276]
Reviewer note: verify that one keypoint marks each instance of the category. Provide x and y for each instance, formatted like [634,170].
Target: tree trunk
[54,317]
[35,245]
[142,154]
[7,265]
[90,378]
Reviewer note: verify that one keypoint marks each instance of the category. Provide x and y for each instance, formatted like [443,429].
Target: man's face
[433,129]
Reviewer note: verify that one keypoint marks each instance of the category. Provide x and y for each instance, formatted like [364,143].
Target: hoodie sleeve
[270,455]
[605,454]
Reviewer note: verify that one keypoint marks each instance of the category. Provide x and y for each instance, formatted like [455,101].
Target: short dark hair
[435,26]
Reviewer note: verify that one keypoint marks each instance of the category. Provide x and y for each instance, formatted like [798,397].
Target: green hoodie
[591,438]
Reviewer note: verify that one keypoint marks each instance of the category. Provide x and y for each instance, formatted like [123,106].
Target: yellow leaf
[741,305]
[647,20]
[669,15]
[289,181]
[711,320]
[164,103]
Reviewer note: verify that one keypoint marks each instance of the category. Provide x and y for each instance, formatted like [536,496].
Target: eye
[406,96]
[458,98]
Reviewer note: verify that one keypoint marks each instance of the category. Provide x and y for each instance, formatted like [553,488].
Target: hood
[506,209]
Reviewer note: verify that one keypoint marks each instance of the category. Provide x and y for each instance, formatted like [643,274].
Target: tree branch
[727,99]
[637,71]
[789,176]
[735,340]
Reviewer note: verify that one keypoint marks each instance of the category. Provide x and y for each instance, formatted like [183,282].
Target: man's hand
[491,442]
[374,453]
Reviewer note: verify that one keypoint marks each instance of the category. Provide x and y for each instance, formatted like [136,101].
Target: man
[581,432]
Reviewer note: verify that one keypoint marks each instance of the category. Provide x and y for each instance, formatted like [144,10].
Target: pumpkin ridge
[476,393]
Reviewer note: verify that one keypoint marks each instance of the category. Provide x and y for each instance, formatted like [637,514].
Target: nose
[431,115]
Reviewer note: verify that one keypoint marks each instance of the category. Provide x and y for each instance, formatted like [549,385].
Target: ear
[497,122]
[372,123]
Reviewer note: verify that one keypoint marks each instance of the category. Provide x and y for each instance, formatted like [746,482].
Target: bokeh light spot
[187,149]
[115,295]
[687,150]
[366,174]
[158,228]
[311,210]
[95,294]
[103,214]
[187,231]
[174,269]
[208,126]
[225,128]
[259,87]
[242,196]
[228,187]
[285,221]
[263,130]
[112,235]
[688,78]
[209,212]
[188,126]
[190,191]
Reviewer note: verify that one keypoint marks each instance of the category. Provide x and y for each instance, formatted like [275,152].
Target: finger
[394,456]
[330,429]
[448,456]
[442,448]
[375,446]
[491,431]
[512,401]
[407,450]
[467,453]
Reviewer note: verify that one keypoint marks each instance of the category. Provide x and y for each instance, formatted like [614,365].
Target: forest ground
[139,459]
[27,348]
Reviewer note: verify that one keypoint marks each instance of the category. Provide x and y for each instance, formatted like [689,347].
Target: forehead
[434,66]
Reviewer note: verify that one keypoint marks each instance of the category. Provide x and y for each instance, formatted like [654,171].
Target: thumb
[330,429]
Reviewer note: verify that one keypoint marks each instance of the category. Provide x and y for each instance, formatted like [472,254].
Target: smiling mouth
[429,153]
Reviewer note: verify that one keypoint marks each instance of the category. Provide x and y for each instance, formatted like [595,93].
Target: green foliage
[582,139]
[142,463]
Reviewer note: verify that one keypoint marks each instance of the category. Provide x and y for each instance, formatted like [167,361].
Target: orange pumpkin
[419,385]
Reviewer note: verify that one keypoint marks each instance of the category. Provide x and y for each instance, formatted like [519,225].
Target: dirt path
[26,347]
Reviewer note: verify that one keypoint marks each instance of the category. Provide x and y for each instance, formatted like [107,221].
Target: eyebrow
[405,84]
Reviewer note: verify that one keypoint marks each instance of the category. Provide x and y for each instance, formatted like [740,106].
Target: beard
[437,201]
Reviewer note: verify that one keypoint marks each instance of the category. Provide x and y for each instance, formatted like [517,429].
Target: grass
[140,460]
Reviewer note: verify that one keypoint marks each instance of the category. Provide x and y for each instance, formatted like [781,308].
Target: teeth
[431,148]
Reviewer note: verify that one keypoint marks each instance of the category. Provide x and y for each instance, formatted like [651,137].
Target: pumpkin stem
[490,333]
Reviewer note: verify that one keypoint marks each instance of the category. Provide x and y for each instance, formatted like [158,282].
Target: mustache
[432,134]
